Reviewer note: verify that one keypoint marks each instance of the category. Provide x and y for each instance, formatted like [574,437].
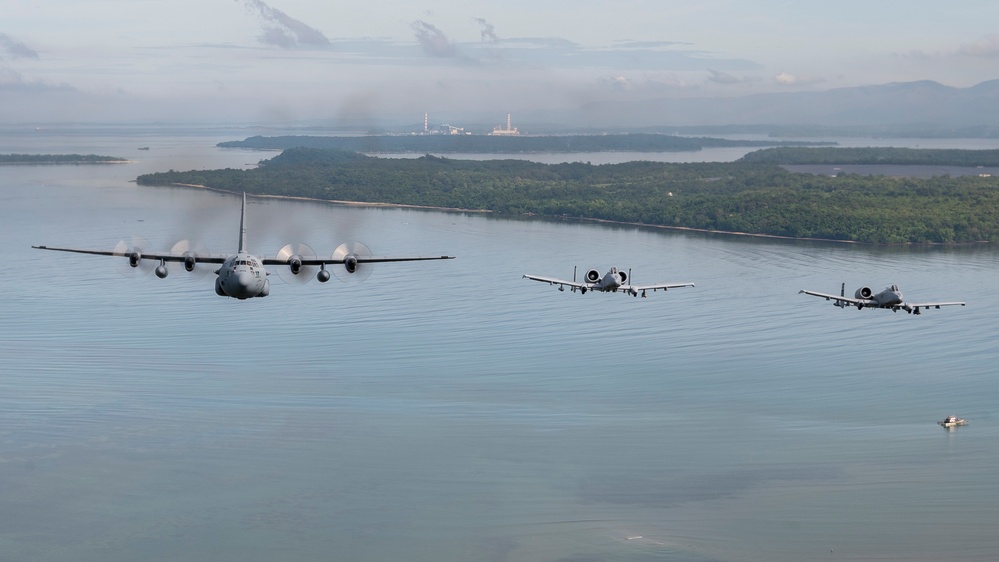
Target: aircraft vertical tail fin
[842,293]
[242,225]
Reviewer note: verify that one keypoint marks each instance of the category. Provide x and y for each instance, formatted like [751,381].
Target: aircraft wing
[655,287]
[168,257]
[933,304]
[841,298]
[357,259]
[557,281]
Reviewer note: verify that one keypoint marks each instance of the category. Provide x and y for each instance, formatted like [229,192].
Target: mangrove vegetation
[754,195]
[59,159]
[514,144]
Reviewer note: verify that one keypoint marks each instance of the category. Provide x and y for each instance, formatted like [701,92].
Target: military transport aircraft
[891,298]
[242,275]
[611,282]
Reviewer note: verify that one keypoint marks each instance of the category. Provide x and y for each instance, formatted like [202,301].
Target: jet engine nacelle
[295,264]
[134,258]
[863,293]
[592,276]
[350,264]
[189,263]
[623,276]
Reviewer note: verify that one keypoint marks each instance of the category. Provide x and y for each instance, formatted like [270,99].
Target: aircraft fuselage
[889,297]
[242,276]
[610,281]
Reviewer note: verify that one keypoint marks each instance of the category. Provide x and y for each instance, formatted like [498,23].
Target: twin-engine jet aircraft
[244,276]
[611,282]
[891,298]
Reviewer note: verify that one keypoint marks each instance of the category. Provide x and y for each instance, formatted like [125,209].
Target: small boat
[143,148]
[952,421]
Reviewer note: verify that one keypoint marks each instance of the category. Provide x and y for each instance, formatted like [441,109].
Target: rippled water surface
[455,411]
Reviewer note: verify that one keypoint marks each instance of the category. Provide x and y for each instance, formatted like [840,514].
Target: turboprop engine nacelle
[863,293]
[592,276]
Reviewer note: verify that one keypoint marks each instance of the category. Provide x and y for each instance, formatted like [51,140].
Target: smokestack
[507,121]
[426,123]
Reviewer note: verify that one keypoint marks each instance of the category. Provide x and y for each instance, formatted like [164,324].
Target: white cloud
[987,46]
[721,77]
[786,79]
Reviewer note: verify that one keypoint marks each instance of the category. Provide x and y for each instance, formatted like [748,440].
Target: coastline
[337,201]
[605,221]
[68,163]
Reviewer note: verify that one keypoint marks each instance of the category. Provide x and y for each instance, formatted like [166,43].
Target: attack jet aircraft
[611,282]
[890,298]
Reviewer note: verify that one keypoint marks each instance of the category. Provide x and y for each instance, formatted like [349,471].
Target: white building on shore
[508,131]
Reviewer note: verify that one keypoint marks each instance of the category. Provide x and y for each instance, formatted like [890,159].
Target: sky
[292,61]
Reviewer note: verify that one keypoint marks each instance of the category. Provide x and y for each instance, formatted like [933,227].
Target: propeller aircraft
[611,282]
[242,275]
[890,298]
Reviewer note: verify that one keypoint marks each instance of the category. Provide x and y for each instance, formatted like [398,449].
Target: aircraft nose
[245,279]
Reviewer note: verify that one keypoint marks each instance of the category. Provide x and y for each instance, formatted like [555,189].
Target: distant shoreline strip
[605,221]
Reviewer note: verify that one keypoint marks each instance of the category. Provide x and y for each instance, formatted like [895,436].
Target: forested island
[493,144]
[59,159]
[752,196]
[875,155]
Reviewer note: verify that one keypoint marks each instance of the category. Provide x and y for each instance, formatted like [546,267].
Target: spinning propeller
[192,252]
[132,249]
[296,272]
[353,271]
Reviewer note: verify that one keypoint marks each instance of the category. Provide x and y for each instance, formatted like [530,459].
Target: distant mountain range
[916,107]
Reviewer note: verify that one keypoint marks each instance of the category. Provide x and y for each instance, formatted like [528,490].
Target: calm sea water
[455,411]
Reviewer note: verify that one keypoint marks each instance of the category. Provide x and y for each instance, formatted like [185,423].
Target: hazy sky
[289,60]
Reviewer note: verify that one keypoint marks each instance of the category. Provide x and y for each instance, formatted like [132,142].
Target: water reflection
[457,411]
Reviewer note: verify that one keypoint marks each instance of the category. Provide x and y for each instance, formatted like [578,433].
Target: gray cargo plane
[611,282]
[891,298]
[243,275]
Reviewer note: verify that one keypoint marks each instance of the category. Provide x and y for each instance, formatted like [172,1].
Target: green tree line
[743,196]
[58,159]
[874,155]
[639,142]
